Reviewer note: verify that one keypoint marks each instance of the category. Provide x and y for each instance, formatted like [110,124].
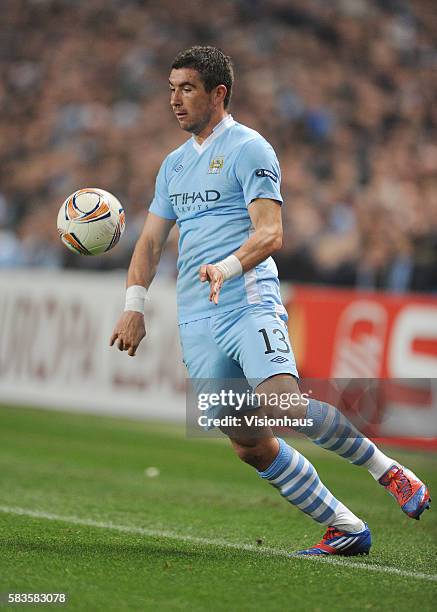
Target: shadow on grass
[109,550]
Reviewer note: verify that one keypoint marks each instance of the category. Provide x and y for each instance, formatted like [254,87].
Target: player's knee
[280,396]
[245,453]
[256,453]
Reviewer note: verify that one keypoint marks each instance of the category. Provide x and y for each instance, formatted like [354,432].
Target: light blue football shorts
[249,343]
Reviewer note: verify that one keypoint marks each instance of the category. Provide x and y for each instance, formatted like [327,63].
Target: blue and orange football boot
[411,493]
[336,542]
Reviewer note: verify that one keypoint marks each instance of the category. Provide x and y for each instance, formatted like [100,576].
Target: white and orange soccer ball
[91,221]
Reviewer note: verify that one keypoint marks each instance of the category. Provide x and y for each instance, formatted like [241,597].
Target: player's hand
[210,273]
[129,332]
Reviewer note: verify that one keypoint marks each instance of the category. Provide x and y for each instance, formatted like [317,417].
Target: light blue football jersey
[207,188]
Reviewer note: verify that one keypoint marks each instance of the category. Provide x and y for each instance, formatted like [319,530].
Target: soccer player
[222,188]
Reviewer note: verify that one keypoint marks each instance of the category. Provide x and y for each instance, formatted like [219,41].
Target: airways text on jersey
[188,202]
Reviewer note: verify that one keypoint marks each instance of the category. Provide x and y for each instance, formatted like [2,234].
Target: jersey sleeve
[258,172]
[161,204]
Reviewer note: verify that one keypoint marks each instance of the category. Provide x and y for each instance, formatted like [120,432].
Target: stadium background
[345,91]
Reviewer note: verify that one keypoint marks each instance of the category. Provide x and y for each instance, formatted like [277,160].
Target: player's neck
[209,128]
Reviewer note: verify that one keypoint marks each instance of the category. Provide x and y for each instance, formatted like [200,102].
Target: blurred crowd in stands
[345,90]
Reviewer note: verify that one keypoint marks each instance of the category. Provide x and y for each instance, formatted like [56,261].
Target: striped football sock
[333,431]
[299,483]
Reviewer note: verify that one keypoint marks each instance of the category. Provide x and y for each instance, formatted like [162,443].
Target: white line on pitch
[158,533]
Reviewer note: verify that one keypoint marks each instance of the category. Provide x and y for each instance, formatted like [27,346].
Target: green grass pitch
[79,515]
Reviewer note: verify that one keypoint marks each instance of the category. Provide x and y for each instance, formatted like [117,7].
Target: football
[91,221]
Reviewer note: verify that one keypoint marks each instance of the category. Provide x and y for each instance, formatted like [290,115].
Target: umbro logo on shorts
[279,359]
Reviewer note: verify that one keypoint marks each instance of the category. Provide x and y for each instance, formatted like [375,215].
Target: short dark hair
[214,67]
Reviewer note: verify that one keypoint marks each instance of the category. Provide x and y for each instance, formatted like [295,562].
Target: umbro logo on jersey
[268,173]
[279,359]
[178,168]
[216,165]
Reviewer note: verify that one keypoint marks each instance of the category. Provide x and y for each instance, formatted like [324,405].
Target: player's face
[192,105]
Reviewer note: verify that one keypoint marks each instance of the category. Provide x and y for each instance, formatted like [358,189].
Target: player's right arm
[130,329]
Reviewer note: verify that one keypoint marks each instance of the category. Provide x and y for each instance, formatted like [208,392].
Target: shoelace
[330,533]
[402,485]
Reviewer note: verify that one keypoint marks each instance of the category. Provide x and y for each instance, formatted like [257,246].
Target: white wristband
[230,267]
[136,296]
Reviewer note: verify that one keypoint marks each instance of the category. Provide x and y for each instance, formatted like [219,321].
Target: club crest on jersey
[216,165]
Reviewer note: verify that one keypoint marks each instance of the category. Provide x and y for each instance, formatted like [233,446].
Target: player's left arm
[265,239]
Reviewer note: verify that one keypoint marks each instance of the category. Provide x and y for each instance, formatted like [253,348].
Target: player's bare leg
[298,482]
